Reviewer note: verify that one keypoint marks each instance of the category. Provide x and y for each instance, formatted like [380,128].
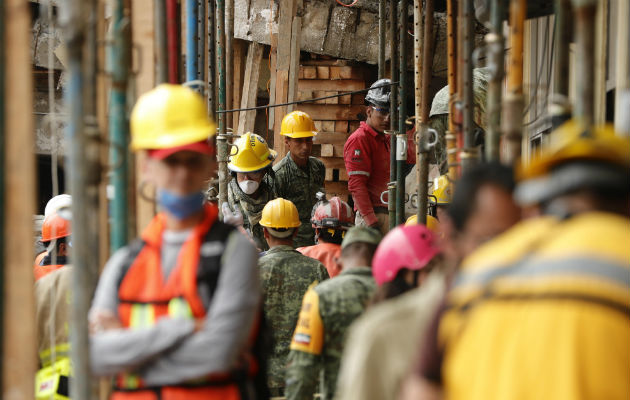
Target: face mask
[248,187]
[180,206]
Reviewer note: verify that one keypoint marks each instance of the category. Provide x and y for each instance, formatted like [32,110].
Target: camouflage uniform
[251,208]
[327,311]
[300,186]
[285,275]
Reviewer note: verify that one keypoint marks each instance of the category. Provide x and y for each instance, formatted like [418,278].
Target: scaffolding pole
[191,40]
[172,40]
[119,55]
[585,12]
[563,35]
[495,45]
[382,26]
[201,39]
[393,112]
[513,104]
[451,48]
[222,144]
[401,137]
[161,43]
[469,155]
[211,57]
[229,58]
[82,158]
[424,67]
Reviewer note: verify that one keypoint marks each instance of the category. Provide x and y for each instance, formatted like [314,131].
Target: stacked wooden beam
[335,118]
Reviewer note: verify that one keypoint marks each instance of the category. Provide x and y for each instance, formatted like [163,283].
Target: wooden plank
[334,162]
[332,100]
[332,150]
[341,126]
[240,49]
[331,138]
[331,111]
[318,125]
[309,72]
[337,189]
[328,62]
[247,119]
[347,99]
[339,86]
[19,332]
[345,72]
[143,38]
[294,67]
[358,99]
[353,126]
[328,126]
[282,86]
[305,95]
[272,86]
[318,94]
[323,72]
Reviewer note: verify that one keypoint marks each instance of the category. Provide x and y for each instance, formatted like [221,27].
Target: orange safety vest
[327,254]
[144,297]
[39,270]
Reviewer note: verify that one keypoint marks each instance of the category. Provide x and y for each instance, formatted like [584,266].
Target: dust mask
[248,187]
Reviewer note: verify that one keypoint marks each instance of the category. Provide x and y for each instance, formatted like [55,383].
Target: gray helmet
[379,96]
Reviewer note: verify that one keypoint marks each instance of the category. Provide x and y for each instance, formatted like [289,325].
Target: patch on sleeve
[309,332]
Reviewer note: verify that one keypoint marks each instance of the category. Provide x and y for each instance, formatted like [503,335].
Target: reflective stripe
[532,269]
[142,315]
[350,173]
[61,351]
[179,308]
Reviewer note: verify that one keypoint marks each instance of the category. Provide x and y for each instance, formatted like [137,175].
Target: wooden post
[19,342]
[622,67]
[287,9]
[250,89]
[142,37]
[240,55]
[294,61]
[601,57]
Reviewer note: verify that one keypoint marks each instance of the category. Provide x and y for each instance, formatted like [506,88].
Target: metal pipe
[211,55]
[119,55]
[172,38]
[393,115]
[422,153]
[191,40]
[585,12]
[81,183]
[222,145]
[161,65]
[382,27]
[562,38]
[495,44]
[401,145]
[201,39]
[451,45]
[513,104]
[468,156]
[229,56]
[622,91]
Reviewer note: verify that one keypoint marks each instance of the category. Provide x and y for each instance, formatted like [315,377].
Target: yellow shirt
[542,312]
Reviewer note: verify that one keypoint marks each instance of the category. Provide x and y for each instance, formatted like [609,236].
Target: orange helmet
[55,227]
[334,213]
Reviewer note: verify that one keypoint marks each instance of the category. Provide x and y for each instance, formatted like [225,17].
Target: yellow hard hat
[250,154]
[169,116]
[432,222]
[442,190]
[572,141]
[297,124]
[280,213]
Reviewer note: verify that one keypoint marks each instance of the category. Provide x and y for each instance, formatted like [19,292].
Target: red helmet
[334,214]
[54,227]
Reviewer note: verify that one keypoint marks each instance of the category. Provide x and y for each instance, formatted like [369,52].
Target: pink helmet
[410,247]
[334,213]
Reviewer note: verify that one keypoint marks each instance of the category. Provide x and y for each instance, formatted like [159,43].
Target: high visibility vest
[41,269]
[144,297]
[53,381]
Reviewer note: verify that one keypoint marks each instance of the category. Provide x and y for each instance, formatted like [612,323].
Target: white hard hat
[56,203]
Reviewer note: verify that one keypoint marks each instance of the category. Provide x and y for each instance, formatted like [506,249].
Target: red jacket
[326,253]
[366,155]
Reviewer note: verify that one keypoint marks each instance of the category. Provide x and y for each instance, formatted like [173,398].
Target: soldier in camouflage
[298,175]
[285,276]
[327,311]
[252,184]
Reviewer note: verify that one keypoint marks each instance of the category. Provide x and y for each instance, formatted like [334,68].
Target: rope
[265,107]
[347,5]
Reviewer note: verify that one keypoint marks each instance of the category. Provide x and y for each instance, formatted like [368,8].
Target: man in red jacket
[366,155]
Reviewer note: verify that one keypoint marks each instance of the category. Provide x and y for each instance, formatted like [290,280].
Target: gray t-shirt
[170,351]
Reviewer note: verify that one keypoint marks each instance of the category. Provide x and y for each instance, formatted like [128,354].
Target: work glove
[234,218]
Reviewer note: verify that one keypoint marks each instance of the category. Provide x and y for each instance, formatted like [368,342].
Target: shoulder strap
[211,252]
[134,249]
